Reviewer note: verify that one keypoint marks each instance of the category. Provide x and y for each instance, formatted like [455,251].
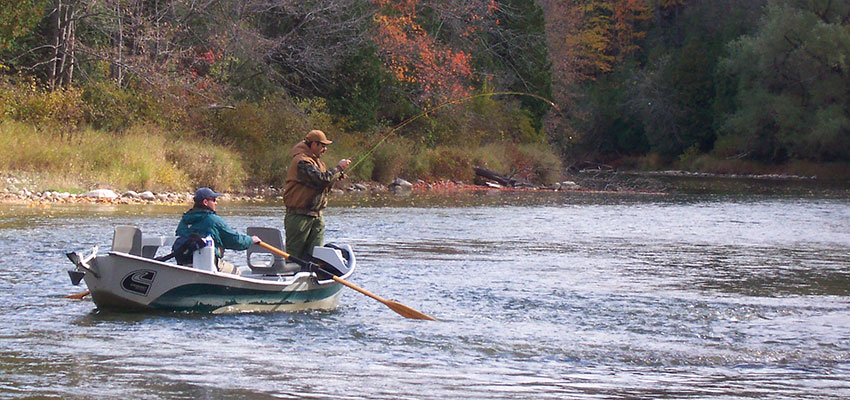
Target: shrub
[449,162]
[393,159]
[650,162]
[109,107]
[502,121]
[729,146]
[689,157]
[492,156]
[208,165]
[26,101]
[533,163]
[264,132]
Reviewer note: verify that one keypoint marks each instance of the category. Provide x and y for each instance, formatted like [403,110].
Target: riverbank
[14,190]
[20,189]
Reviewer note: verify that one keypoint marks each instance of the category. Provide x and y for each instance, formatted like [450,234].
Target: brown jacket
[308,182]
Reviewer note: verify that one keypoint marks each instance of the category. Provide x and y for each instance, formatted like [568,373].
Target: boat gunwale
[286,282]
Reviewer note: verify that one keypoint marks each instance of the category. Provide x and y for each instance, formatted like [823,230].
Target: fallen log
[494,176]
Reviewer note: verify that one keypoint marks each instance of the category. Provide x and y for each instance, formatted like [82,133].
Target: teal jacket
[206,222]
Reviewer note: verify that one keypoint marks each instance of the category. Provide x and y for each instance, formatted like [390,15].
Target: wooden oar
[401,309]
[78,295]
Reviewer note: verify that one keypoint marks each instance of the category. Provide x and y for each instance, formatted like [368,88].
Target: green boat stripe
[207,297]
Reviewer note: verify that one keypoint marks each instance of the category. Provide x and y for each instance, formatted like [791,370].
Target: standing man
[308,183]
[202,220]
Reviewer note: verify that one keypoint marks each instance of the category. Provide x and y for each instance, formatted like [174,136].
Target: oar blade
[407,312]
[401,309]
[77,296]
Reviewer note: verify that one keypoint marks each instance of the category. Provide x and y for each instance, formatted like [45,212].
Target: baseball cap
[205,193]
[317,136]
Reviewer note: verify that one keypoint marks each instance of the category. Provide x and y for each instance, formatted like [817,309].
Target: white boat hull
[125,282]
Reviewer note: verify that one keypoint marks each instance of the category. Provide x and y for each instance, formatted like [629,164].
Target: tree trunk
[71,44]
[61,65]
[117,67]
[57,35]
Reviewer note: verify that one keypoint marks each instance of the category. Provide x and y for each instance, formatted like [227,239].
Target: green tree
[670,86]
[358,87]
[791,78]
[517,55]
[18,18]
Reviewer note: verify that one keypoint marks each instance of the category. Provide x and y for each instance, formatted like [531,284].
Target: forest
[175,93]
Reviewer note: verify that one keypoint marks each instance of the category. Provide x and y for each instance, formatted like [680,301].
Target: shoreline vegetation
[166,98]
[44,163]
[105,145]
[148,165]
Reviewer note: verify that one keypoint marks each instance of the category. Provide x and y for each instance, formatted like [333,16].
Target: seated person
[203,220]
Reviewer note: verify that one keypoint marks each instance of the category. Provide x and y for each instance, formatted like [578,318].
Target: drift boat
[130,277]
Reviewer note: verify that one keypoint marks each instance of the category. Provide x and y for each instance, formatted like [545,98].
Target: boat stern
[82,266]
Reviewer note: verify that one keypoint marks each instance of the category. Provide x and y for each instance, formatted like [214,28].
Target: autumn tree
[610,31]
[432,70]
[590,40]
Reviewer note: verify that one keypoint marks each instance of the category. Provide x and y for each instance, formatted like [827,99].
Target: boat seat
[278,264]
[127,239]
[151,244]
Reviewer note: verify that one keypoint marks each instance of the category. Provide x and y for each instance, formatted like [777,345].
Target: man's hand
[256,239]
[343,164]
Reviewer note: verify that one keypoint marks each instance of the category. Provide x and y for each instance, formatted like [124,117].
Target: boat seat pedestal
[278,264]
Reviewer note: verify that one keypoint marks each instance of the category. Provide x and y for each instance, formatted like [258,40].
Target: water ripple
[563,297]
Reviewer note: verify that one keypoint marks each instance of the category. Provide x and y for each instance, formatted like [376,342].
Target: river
[540,296]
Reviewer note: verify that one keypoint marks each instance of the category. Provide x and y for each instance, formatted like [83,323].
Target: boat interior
[260,261]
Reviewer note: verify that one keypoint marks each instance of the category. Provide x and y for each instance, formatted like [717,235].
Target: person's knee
[226,267]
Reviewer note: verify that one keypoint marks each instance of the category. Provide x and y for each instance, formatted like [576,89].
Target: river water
[540,296]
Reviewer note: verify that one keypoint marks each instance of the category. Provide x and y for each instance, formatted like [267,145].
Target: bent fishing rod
[380,139]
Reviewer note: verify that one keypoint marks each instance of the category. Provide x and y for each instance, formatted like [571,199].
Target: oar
[78,295]
[401,309]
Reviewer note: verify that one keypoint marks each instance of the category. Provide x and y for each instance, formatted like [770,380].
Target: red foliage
[414,56]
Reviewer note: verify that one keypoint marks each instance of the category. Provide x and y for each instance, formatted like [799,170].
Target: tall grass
[142,158]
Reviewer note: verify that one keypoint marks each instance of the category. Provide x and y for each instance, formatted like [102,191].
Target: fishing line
[380,139]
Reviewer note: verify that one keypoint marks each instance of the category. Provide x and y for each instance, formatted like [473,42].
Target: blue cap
[205,193]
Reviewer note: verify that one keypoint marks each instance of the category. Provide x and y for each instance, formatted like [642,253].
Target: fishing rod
[380,139]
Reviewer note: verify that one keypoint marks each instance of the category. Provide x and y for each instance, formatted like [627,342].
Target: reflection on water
[541,295]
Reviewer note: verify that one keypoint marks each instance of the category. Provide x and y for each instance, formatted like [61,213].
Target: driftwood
[494,176]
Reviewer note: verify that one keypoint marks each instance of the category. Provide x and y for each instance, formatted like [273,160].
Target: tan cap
[317,136]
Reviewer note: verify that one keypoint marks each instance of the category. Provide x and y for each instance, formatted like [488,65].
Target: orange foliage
[414,56]
[610,31]
[627,15]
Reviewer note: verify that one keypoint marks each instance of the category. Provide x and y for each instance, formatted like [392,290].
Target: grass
[141,158]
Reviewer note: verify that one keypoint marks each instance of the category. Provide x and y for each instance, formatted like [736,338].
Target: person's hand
[343,164]
[256,239]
